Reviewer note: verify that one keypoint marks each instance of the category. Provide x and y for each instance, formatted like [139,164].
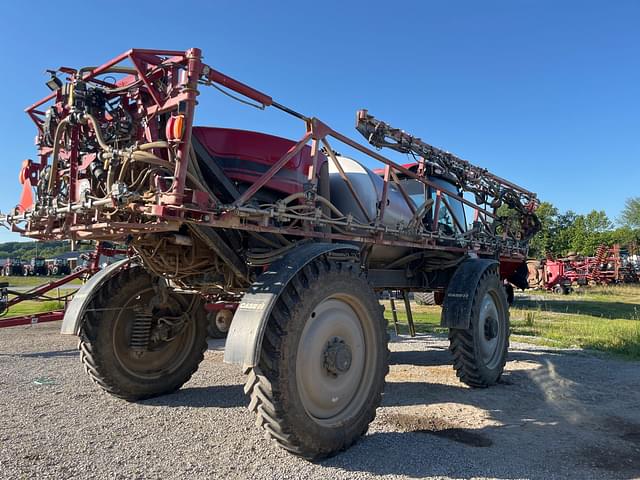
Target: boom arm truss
[489,189]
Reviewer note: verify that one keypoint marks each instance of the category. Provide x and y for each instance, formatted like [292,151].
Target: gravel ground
[557,414]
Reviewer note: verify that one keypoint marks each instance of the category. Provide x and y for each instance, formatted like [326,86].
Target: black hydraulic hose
[289,111]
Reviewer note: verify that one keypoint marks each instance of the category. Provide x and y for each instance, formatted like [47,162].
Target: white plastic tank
[369,188]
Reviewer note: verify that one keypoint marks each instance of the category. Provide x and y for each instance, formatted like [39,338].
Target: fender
[458,299]
[244,340]
[72,320]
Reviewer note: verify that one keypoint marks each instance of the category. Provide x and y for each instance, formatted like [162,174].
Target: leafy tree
[631,213]
[542,243]
[589,231]
[562,233]
[565,230]
[622,236]
[597,221]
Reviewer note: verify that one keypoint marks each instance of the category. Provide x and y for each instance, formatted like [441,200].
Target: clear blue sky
[544,93]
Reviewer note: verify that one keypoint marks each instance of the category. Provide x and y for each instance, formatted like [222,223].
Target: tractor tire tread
[97,369]
[463,350]
[261,382]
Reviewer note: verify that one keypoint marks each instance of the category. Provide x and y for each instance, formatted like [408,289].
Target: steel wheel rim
[490,330]
[155,364]
[331,398]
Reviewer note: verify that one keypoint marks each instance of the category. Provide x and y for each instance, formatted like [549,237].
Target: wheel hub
[332,359]
[490,328]
[337,356]
[490,331]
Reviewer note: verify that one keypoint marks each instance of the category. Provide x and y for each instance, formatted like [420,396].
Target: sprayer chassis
[308,331]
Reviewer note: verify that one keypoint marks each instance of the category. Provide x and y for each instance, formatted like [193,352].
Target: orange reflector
[175,127]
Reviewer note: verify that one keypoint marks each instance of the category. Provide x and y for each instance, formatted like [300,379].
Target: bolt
[337,357]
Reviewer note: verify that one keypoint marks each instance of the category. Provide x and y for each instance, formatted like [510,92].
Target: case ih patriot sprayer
[298,235]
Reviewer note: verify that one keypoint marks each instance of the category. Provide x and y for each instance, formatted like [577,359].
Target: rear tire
[323,362]
[218,323]
[106,332]
[480,352]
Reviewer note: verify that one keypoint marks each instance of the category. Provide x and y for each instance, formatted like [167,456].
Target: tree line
[564,232]
[25,251]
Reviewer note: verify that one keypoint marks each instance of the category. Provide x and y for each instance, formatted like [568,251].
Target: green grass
[426,318]
[606,319]
[30,307]
[17,281]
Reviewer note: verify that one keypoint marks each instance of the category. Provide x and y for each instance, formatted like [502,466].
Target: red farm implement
[10,298]
[302,236]
[607,266]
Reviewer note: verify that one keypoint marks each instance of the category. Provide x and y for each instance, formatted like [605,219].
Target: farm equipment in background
[59,266]
[37,266]
[12,267]
[630,264]
[608,266]
[300,235]
[10,297]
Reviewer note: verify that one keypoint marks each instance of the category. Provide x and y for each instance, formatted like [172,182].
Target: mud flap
[244,340]
[71,322]
[458,298]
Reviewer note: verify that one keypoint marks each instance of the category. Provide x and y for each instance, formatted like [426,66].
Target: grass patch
[29,307]
[425,317]
[605,318]
[17,281]
[620,336]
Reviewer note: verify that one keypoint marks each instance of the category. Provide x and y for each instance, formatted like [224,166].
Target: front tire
[323,363]
[480,352]
[115,319]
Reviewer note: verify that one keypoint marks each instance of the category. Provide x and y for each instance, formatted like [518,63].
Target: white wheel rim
[335,360]
[490,331]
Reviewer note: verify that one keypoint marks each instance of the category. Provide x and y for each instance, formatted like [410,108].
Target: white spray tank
[369,188]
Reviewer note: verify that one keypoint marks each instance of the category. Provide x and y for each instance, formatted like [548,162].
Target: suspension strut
[141,331]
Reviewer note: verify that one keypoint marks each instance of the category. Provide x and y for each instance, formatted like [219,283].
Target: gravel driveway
[557,414]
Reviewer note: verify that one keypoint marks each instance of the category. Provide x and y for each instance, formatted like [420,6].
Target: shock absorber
[141,331]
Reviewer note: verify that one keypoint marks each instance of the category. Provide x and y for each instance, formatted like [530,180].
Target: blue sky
[544,93]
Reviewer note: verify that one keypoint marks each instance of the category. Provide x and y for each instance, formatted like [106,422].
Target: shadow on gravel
[552,416]
[52,354]
[430,358]
[219,396]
